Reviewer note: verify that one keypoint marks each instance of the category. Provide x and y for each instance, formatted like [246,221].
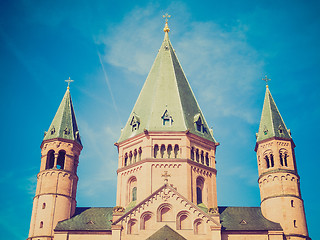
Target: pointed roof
[271,123]
[64,124]
[166,232]
[166,91]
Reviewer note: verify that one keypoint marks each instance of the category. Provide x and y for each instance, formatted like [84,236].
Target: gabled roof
[64,124]
[245,218]
[90,219]
[271,123]
[166,233]
[162,190]
[166,89]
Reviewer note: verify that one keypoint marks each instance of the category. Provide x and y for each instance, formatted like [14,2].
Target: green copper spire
[166,102]
[271,123]
[64,124]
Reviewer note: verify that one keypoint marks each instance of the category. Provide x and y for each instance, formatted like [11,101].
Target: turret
[279,181]
[55,198]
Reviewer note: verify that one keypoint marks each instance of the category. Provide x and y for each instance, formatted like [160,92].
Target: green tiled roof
[231,218]
[245,218]
[271,123]
[166,233]
[91,219]
[64,124]
[166,96]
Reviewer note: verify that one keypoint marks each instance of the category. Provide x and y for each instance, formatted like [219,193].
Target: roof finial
[68,81]
[266,79]
[166,28]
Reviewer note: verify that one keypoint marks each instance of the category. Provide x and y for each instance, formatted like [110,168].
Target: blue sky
[108,47]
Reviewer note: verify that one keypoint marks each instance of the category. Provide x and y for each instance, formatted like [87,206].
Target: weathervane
[266,79]
[69,81]
[166,28]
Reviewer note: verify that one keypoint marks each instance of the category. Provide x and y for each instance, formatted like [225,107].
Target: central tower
[166,139]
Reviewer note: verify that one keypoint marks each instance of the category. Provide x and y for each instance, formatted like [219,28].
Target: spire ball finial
[266,79]
[166,27]
[69,81]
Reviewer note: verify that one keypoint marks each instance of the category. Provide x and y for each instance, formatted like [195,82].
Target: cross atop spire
[166,28]
[266,79]
[69,81]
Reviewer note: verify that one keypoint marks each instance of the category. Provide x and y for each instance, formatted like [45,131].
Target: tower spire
[271,123]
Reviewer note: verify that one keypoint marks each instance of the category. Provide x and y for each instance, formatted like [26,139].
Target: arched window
[126,159]
[165,213]
[134,194]
[202,157]
[130,157]
[271,160]
[292,203]
[135,153]
[146,221]
[169,150]
[267,161]
[207,159]
[162,150]
[50,160]
[132,226]
[132,189]
[176,151]
[43,205]
[140,152]
[192,153]
[197,155]
[156,151]
[295,223]
[200,183]
[183,221]
[61,159]
[198,227]
[286,159]
[41,224]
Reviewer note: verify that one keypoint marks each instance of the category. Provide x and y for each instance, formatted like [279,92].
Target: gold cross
[166,16]
[266,79]
[69,81]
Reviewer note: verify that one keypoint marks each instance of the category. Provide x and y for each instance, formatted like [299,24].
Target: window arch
[61,159]
[164,213]
[146,220]
[132,226]
[135,153]
[126,159]
[283,153]
[271,160]
[140,152]
[207,159]
[176,151]
[50,159]
[130,157]
[202,157]
[198,227]
[41,224]
[156,151]
[132,189]
[183,221]
[169,150]
[192,153]
[200,184]
[197,155]
[268,159]
[162,150]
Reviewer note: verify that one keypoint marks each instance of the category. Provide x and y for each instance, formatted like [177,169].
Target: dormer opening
[135,122]
[198,123]
[166,119]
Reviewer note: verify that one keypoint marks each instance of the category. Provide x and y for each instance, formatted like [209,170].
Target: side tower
[55,198]
[166,139]
[278,177]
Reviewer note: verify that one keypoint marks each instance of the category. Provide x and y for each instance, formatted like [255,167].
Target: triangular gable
[166,232]
[166,193]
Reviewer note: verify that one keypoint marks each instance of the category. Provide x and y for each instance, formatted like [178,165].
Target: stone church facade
[166,184]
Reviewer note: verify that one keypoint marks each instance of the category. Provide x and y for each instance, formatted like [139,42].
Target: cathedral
[166,177]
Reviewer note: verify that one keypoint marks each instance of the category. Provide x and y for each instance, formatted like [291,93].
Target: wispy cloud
[219,63]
